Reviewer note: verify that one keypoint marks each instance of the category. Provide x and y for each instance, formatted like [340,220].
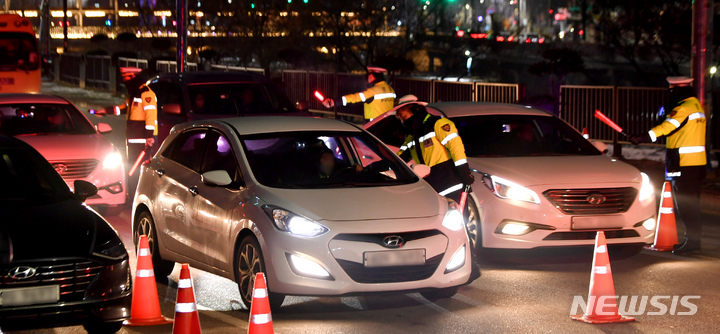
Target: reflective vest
[685,131]
[142,117]
[439,143]
[378,99]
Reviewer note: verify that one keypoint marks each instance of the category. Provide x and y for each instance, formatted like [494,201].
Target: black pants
[686,191]
[444,176]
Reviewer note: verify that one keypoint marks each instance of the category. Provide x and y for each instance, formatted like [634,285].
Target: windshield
[18,51]
[41,119]
[303,160]
[239,99]
[26,176]
[520,136]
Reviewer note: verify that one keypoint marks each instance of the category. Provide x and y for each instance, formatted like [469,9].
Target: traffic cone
[145,309]
[666,231]
[260,318]
[602,289]
[187,320]
[585,133]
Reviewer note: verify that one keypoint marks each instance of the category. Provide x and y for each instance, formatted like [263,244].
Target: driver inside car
[326,164]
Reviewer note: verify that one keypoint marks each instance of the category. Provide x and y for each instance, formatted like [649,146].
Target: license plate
[410,257]
[597,222]
[7,81]
[30,296]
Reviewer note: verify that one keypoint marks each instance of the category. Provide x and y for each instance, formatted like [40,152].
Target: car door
[178,172]
[211,234]
[169,95]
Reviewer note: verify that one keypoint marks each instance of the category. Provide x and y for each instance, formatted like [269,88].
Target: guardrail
[170,66]
[227,68]
[97,73]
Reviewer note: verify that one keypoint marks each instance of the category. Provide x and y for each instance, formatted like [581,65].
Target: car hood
[54,230]
[558,170]
[69,147]
[362,203]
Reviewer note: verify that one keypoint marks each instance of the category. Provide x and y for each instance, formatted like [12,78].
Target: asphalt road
[529,292]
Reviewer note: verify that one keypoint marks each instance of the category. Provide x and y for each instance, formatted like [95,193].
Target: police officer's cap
[372,70]
[679,81]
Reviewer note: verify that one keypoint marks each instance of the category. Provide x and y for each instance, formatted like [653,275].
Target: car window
[38,118]
[26,176]
[167,93]
[237,99]
[323,160]
[187,148]
[520,135]
[219,155]
[390,131]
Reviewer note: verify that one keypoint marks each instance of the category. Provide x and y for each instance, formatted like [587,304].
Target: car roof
[212,76]
[459,109]
[270,124]
[31,98]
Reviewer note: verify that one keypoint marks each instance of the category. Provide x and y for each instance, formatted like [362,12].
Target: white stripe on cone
[260,319]
[185,307]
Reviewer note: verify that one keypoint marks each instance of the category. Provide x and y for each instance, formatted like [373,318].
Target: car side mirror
[421,170]
[103,127]
[84,189]
[172,109]
[219,178]
[602,147]
[302,105]
[6,248]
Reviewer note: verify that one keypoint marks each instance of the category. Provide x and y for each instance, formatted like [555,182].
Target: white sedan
[320,206]
[66,138]
[538,182]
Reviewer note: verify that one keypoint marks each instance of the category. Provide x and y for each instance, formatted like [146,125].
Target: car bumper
[554,228]
[342,256]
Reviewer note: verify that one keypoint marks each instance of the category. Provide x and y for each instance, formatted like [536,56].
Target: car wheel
[433,295]
[146,225]
[473,226]
[103,327]
[250,262]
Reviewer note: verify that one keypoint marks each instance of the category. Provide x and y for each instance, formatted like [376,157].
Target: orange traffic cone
[602,302]
[260,318]
[666,231]
[187,320]
[585,133]
[145,309]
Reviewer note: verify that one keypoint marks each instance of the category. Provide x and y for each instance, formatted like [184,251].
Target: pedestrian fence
[227,68]
[635,109]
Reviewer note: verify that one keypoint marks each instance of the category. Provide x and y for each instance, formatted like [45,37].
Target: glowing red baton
[319,96]
[599,115]
[463,198]
[137,163]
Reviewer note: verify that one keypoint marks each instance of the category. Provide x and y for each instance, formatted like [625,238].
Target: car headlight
[516,228]
[107,243]
[507,189]
[297,225]
[646,189]
[453,220]
[112,161]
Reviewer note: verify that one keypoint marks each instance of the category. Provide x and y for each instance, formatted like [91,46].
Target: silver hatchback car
[320,206]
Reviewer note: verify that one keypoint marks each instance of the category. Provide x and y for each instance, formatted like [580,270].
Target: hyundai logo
[596,199]
[393,241]
[60,168]
[22,272]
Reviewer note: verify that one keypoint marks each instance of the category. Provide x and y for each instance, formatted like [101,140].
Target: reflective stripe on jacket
[378,99]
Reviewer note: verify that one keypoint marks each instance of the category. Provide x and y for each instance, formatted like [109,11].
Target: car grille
[592,201]
[73,277]
[361,274]
[589,235]
[75,169]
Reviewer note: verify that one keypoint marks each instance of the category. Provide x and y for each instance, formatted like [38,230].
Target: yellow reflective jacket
[378,99]
[437,145]
[144,108]
[685,131]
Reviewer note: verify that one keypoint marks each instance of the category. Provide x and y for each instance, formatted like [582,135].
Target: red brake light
[500,39]
[541,40]
[511,38]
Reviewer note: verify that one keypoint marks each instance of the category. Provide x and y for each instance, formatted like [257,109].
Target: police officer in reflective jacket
[142,124]
[685,158]
[434,141]
[378,98]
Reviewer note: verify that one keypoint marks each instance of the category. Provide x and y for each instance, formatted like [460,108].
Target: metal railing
[227,68]
[132,62]
[98,72]
[71,69]
[635,109]
[170,66]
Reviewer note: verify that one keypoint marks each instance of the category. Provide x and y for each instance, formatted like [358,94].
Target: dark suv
[201,95]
